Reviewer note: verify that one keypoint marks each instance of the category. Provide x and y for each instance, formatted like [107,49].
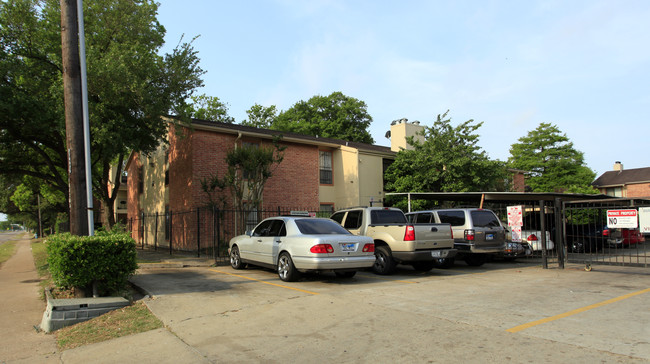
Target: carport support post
[560,244]
[542,227]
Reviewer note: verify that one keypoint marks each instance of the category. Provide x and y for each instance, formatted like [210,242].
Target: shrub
[107,259]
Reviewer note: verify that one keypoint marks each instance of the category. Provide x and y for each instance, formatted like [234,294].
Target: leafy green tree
[260,116]
[209,108]
[551,162]
[448,160]
[130,89]
[334,116]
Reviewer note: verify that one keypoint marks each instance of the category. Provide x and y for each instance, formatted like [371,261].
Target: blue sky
[581,65]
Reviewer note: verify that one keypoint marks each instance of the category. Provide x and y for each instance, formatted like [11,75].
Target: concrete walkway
[21,308]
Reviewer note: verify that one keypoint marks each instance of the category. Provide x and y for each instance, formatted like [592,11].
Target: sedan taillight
[532,237]
[369,248]
[322,249]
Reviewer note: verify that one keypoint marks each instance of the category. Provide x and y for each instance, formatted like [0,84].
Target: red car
[623,237]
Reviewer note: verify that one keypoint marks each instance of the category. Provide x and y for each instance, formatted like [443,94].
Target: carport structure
[574,222]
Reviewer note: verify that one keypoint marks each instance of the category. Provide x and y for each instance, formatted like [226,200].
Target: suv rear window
[484,219]
[455,218]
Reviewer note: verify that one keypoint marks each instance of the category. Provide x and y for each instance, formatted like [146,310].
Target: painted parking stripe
[576,311]
[265,282]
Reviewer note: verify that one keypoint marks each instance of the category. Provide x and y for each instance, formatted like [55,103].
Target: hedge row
[108,259]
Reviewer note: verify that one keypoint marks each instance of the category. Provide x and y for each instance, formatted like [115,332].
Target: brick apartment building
[316,174]
[621,182]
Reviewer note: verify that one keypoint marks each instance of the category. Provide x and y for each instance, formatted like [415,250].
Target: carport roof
[498,196]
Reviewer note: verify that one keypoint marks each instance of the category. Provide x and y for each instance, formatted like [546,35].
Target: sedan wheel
[235,258]
[384,263]
[286,270]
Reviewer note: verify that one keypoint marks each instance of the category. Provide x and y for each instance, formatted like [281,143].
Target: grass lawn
[7,249]
[126,321]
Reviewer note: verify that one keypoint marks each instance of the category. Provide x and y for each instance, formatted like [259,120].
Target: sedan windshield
[319,227]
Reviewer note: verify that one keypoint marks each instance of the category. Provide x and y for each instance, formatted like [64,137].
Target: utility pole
[73,118]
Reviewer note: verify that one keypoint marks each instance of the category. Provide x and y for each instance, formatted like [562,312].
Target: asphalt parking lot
[502,311]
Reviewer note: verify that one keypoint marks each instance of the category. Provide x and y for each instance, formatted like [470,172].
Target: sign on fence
[622,219]
[515,222]
[644,219]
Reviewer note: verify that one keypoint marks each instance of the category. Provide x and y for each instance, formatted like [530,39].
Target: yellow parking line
[265,282]
[576,311]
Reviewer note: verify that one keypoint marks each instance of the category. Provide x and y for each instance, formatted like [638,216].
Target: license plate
[489,236]
[348,247]
[435,253]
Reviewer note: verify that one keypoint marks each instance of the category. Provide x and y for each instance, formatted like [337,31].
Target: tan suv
[477,232]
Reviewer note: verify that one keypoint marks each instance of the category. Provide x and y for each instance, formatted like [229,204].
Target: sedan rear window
[320,227]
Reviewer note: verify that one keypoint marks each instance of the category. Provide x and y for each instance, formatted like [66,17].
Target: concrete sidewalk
[21,308]
[21,311]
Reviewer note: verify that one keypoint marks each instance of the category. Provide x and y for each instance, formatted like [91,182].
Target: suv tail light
[409,234]
[469,234]
[369,248]
[322,249]
[532,237]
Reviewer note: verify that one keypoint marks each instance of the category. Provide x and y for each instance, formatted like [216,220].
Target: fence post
[542,226]
[171,236]
[198,232]
[142,231]
[559,211]
[155,234]
[214,233]
[218,231]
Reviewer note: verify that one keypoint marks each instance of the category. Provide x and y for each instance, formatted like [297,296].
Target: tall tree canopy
[209,108]
[551,162]
[260,116]
[130,88]
[449,160]
[334,116]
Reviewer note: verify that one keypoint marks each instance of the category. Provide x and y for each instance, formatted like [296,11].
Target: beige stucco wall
[357,178]
[155,196]
[399,133]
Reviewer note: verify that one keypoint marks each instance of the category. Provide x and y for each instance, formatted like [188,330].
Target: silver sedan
[292,245]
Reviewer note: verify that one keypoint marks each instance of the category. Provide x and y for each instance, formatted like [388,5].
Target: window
[325,166]
[615,192]
[320,227]
[387,217]
[455,218]
[424,218]
[141,179]
[167,177]
[354,219]
[326,210]
[484,219]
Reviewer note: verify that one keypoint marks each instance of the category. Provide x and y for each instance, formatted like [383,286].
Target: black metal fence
[204,232]
[590,241]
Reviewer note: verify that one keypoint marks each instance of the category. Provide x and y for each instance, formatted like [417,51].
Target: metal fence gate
[588,240]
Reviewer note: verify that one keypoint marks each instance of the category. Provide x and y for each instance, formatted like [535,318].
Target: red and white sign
[628,219]
[515,232]
[515,217]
